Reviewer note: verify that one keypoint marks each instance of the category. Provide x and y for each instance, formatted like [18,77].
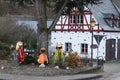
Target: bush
[4,51]
[30,57]
[73,60]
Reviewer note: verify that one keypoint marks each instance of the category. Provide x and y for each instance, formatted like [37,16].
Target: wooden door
[118,49]
[110,49]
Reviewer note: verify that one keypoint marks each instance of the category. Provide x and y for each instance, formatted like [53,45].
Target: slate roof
[100,11]
[117,4]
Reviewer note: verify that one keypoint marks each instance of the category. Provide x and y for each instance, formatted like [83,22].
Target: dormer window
[118,22]
[112,20]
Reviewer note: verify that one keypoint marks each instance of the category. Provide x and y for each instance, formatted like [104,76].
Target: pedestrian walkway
[66,77]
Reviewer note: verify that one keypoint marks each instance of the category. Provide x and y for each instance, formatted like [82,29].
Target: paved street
[21,77]
[111,71]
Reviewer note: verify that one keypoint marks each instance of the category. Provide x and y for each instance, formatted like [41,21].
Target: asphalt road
[24,77]
[111,71]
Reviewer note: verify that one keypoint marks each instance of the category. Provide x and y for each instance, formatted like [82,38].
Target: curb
[92,70]
[89,78]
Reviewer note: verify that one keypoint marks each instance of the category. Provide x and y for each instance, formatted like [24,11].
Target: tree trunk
[42,24]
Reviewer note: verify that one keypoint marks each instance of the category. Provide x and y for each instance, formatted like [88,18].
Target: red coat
[21,55]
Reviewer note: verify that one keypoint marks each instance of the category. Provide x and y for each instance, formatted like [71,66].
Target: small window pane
[68,47]
[84,48]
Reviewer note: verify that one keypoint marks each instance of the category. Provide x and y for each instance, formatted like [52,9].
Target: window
[79,19]
[118,22]
[68,47]
[72,19]
[112,20]
[76,19]
[84,48]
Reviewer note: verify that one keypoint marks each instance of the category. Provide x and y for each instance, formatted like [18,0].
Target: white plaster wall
[76,38]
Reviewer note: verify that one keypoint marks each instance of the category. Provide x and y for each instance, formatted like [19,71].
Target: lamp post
[92,24]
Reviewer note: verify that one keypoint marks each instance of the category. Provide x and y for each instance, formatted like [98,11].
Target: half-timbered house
[75,33]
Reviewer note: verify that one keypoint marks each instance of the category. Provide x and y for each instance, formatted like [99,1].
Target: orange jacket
[42,58]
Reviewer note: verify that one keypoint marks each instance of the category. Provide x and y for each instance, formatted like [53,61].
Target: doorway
[110,49]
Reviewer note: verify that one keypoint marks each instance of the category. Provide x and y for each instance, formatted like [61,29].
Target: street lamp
[92,24]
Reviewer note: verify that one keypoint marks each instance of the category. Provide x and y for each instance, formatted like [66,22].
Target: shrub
[4,50]
[73,60]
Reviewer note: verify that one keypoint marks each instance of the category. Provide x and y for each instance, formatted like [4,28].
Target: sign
[98,38]
[93,46]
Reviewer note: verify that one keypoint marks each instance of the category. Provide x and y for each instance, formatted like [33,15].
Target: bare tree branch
[57,16]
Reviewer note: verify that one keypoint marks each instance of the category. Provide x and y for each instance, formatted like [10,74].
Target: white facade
[78,38]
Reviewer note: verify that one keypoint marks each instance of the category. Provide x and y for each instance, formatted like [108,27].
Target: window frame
[68,46]
[84,48]
[78,19]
